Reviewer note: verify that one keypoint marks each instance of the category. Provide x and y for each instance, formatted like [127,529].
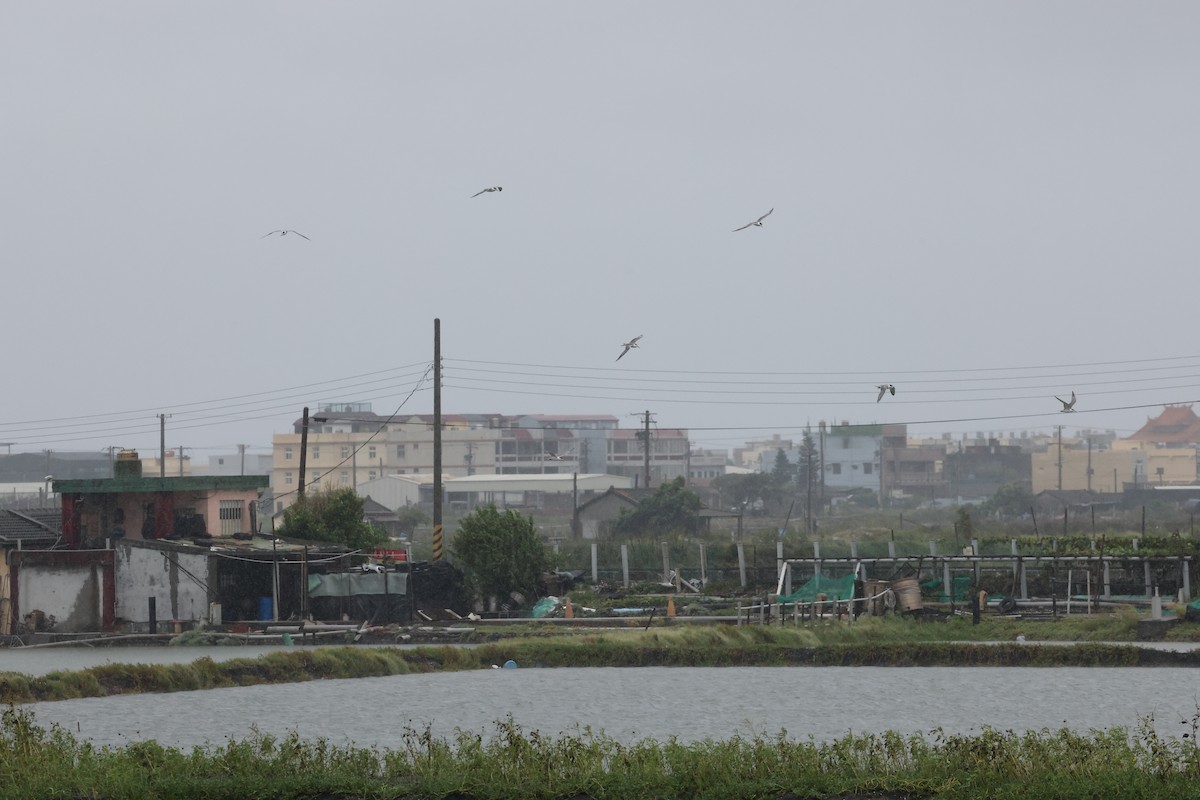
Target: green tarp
[833,588]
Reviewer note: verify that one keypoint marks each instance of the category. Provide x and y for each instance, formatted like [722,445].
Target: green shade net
[841,588]
[960,585]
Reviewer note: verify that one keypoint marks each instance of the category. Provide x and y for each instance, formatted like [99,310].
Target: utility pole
[1060,458]
[808,470]
[646,447]
[437,440]
[162,445]
[181,461]
[470,458]
[303,452]
[242,455]
[1089,466]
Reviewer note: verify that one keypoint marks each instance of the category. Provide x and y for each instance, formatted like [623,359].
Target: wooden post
[1107,581]
[595,564]
[1187,580]
[625,565]
[1146,575]
[741,554]
[666,556]
[703,564]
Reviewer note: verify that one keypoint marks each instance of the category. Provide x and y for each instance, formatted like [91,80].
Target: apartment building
[348,444]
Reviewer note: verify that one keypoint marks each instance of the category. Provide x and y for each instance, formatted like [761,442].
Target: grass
[890,641]
[42,764]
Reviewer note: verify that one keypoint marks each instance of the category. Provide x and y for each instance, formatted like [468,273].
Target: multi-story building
[348,444]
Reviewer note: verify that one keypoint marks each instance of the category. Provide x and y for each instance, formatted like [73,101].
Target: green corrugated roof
[188,483]
[856,430]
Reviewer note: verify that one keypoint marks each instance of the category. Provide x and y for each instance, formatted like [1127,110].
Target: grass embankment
[894,642]
[512,763]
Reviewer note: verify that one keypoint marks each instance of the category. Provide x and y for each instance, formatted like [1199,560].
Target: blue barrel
[265,607]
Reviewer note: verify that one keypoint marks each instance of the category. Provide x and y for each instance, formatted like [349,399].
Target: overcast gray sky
[962,191]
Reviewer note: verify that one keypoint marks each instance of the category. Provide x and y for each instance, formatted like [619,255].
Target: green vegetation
[670,510]
[514,763]
[869,642]
[332,515]
[500,554]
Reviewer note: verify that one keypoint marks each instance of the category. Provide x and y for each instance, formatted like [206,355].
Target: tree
[752,490]
[784,472]
[671,509]
[1010,500]
[410,517]
[332,515]
[499,553]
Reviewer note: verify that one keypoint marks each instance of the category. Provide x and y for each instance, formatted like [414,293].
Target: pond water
[629,704]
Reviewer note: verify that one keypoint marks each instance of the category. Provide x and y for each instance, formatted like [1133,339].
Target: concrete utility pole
[303,452]
[1060,458]
[242,455]
[437,440]
[162,445]
[646,445]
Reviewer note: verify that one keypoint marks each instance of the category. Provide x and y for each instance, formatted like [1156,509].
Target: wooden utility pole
[437,440]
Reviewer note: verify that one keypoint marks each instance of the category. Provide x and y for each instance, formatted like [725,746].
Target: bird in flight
[757,223]
[559,456]
[489,189]
[884,388]
[1067,407]
[284,233]
[632,343]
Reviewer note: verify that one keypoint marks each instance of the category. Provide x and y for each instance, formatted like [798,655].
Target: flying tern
[1067,407]
[632,343]
[757,223]
[884,388]
[284,233]
[489,189]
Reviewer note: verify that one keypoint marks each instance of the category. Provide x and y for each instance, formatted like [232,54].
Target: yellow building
[1127,463]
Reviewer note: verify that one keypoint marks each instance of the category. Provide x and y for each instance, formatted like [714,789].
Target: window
[221,461]
[344,478]
[231,517]
[371,475]
[371,452]
[316,452]
[868,467]
[399,451]
[837,468]
[278,510]
[287,454]
[846,443]
[345,451]
[287,478]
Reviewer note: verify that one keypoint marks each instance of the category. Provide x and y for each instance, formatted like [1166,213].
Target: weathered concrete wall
[176,579]
[5,594]
[70,593]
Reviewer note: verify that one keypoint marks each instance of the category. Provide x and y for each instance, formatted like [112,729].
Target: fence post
[666,553]
[741,551]
[703,565]
[595,565]
[625,565]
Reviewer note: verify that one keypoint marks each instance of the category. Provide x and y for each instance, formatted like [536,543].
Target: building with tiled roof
[1176,426]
